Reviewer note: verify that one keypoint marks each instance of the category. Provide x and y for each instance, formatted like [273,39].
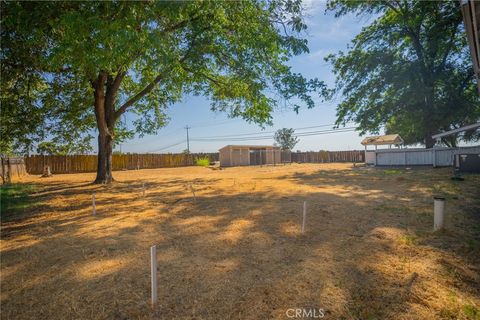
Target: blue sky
[326,34]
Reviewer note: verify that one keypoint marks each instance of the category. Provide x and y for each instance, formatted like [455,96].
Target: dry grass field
[237,251]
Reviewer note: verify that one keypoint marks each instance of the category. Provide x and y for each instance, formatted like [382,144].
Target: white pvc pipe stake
[304,215]
[438,213]
[94,208]
[153,271]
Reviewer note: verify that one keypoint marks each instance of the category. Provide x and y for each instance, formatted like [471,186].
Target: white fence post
[438,213]
[153,271]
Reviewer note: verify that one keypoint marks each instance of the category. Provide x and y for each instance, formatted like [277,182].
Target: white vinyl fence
[437,157]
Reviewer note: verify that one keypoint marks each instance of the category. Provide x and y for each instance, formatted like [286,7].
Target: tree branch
[448,49]
[118,80]
[99,86]
[138,96]
[182,23]
[391,6]
[217,82]
[149,87]
[158,78]
[113,84]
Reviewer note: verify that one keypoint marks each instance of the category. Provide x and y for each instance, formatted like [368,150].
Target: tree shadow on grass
[222,256]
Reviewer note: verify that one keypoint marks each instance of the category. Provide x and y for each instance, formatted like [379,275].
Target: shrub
[203,162]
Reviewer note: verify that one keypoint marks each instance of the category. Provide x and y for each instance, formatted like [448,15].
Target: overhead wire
[268,137]
[265,132]
[166,147]
[257,136]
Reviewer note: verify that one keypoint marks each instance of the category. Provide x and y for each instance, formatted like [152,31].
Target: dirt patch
[237,251]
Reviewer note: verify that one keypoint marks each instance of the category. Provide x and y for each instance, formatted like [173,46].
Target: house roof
[247,146]
[382,140]
[471,18]
[455,131]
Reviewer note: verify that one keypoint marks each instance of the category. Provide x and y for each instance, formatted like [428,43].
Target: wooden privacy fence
[328,156]
[11,168]
[88,163]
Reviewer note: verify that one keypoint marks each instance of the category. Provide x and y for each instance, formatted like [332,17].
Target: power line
[256,136]
[269,137]
[214,124]
[313,133]
[210,124]
[199,125]
[304,134]
[166,147]
[265,132]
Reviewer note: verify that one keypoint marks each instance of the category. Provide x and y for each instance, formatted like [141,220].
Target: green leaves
[233,53]
[285,138]
[408,71]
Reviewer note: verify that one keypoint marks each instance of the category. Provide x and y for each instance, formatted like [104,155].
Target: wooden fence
[11,168]
[328,156]
[88,163]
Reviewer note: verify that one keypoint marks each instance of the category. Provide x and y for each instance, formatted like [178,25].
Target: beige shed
[247,155]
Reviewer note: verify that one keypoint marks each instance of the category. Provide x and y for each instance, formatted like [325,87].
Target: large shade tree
[87,63]
[408,71]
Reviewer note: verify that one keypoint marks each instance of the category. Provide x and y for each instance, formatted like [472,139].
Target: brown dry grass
[237,252]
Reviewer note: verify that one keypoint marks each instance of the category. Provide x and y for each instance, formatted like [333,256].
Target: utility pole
[188,140]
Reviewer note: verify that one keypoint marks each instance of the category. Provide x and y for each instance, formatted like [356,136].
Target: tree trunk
[429,141]
[104,168]
[105,115]
[9,171]
[106,87]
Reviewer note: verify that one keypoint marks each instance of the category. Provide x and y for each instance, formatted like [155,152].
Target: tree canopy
[286,138]
[76,66]
[408,71]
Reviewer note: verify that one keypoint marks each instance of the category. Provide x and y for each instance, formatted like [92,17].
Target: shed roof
[382,140]
[246,146]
